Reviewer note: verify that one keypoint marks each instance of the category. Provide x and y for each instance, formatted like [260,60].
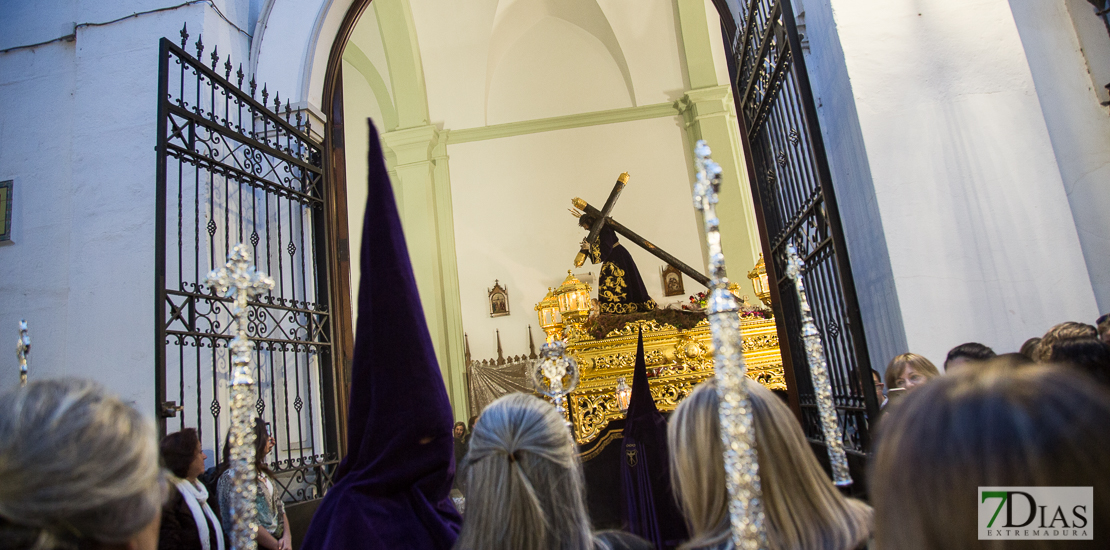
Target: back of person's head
[1089,355]
[261,440]
[178,451]
[803,508]
[1012,360]
[1029,348]
[1103,327]
[923,370]
[261,443]
[78,468]
[524,482]
[1067,330]
[993,426]
[971,352]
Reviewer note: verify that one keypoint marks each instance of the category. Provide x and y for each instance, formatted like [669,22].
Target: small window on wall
[5,211]
[1092,27]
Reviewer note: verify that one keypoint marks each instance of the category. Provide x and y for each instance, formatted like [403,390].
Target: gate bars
[234,169]
[797,205]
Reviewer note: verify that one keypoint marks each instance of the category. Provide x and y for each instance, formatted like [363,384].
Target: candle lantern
[574,299]
[624,394]
[758,275]
[551,321]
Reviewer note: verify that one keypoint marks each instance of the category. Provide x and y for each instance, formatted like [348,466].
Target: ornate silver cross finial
[737,429]
[22,348]
[239,281]
[819,371]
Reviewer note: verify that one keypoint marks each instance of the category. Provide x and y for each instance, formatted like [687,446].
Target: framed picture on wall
[672,281]
[498,300]
[5,210]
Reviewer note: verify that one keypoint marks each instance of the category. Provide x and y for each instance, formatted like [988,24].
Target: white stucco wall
[854,188]
[981,236]
[1078,126]
[77,134]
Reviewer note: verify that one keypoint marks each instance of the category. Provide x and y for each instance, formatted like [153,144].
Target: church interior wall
[854,188]
[77,135]
[981,237]
[511,222]
[1078,126]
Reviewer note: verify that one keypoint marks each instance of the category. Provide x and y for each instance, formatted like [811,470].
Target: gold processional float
[677,358]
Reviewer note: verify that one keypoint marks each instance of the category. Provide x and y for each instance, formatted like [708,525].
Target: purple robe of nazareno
[392,487]
[648,504]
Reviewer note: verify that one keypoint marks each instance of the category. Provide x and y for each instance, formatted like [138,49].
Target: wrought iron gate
[233,168]
[796,204]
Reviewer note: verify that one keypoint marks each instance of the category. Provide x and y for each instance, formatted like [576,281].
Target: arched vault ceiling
[463,48]
[515,18]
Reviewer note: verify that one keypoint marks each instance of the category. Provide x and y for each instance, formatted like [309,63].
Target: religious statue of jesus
[620,288]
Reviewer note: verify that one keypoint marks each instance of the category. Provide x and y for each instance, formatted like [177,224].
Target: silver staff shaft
[22,348]
[737,428]
[240,281]
[819,372]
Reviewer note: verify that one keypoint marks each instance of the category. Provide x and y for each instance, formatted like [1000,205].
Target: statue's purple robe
[620,289]
[392,487]
[648,504]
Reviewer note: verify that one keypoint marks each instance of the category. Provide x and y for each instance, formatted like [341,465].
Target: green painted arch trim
[580,120]
[357,58]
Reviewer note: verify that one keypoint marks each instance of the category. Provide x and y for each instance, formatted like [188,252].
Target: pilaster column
[710,114]
[421,181]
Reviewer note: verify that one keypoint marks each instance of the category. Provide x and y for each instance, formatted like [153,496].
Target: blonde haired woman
[78,469]
[909,370]
[524,483]
[804,510]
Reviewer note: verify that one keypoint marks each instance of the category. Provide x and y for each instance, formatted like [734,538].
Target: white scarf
[196,498]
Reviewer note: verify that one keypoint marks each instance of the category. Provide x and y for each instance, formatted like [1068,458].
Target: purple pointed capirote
[648,505]
[392,487]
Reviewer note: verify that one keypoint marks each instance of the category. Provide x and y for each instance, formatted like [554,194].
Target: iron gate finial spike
[184,34]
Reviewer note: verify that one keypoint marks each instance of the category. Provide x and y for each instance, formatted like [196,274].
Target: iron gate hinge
[169,409]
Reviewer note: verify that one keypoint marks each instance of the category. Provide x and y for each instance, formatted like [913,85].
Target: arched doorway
[568,96]
[794,199]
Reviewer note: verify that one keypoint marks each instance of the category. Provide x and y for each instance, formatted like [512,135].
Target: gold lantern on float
[574,300]
[551,321]
[758,275]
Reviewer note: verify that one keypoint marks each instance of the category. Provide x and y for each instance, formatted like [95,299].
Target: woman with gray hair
[78,469]
[524,483]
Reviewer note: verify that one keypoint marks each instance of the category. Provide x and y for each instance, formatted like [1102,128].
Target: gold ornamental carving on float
[677,360]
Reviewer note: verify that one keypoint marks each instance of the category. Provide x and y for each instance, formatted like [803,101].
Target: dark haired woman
[187,520]
[273,526]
